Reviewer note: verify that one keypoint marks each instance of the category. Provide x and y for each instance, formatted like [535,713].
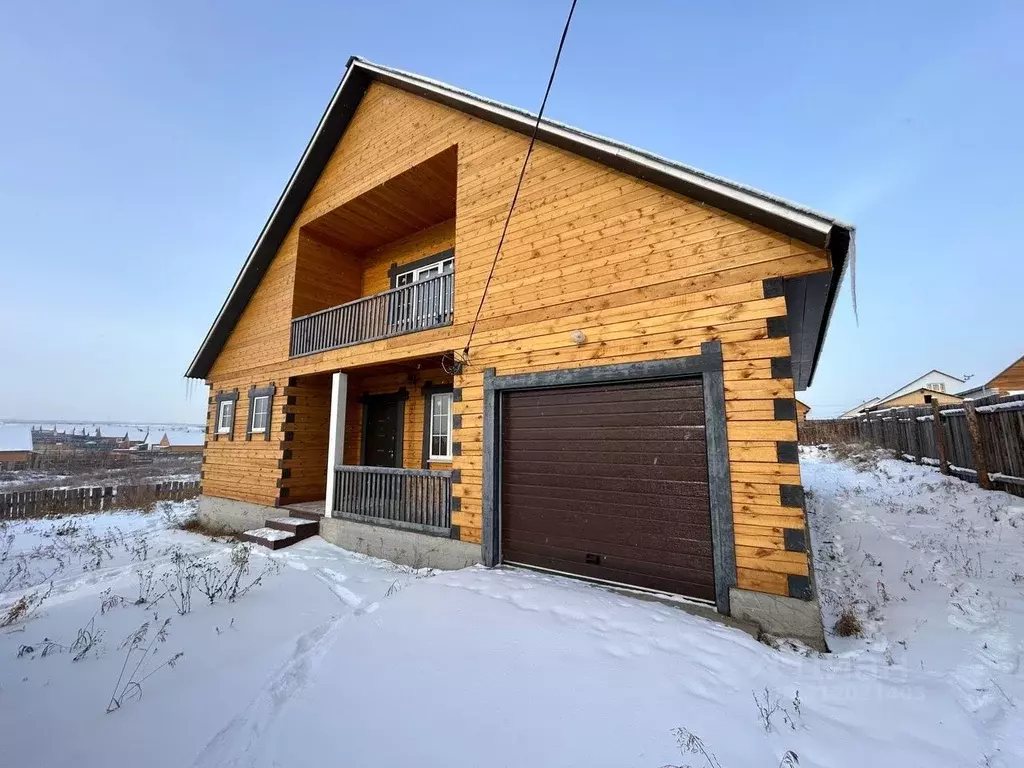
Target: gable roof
[1018,362]
[858,408]
[881,404]
[809,300]
[899,390]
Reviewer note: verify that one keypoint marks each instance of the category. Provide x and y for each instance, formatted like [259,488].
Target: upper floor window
[937,386]
[424,273]
[260,411]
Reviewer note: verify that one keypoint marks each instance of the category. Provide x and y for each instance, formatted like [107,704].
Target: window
[225,417]
[441,426]
[260,411]
[938,387]
[423,273]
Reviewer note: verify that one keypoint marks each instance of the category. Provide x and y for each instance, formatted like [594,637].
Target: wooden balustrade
[409,308]
[414,499]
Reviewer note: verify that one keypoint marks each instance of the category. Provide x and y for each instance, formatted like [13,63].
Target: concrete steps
[280,532]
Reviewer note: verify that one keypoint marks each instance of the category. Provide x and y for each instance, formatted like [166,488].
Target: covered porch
[374,445]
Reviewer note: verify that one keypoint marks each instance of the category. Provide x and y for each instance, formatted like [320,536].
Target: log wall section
[646,274]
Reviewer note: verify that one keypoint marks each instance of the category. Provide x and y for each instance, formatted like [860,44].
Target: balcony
[417,307]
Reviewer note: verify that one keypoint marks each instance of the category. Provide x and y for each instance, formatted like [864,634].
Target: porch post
[336,434]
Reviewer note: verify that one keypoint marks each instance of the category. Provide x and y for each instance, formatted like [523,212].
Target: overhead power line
[519,184]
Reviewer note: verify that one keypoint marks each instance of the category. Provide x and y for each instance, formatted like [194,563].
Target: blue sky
[144,144]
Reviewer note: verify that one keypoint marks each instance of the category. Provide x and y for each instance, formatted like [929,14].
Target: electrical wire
[519,184]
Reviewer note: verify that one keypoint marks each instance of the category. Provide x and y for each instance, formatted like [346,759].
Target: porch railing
[414,499]
[415,307]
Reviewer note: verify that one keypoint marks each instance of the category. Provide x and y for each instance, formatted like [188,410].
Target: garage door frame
[707,365]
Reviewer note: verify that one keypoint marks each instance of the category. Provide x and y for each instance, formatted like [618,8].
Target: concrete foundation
[416,550]
[780,616]
[234,516]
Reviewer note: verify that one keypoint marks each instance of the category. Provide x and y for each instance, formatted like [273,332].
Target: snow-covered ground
[336,658]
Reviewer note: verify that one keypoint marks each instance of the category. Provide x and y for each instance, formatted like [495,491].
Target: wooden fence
[978,440]
[18,505]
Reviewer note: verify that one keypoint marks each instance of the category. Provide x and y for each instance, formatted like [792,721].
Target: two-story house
[625,412]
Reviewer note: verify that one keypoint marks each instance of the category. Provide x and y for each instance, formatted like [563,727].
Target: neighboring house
[178,442]
[933,381]
[15,444]
[1010,380]
[802,409]
[626,412]
[922,396]
[937,381]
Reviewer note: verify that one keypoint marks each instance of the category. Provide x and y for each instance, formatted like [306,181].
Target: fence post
[940,438]
[913,425]
[977,445]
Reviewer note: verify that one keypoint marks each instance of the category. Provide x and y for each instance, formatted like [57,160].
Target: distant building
[921,396]
[16,445]
[1010,380]
[802,409]
[179,442]
[917,392]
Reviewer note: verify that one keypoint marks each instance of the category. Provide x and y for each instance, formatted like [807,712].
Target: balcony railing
[416,307]
[413,499]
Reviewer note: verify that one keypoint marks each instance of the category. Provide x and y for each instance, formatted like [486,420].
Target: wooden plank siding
[644,273]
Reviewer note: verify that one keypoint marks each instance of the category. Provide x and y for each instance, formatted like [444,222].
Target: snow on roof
[15,438]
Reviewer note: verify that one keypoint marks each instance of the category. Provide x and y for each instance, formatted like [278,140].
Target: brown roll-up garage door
[609,482]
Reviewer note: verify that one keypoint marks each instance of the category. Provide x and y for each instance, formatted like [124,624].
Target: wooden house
[802,409]
[1010,380]
[920,396]
[16,445]
[626,409]
[178,441]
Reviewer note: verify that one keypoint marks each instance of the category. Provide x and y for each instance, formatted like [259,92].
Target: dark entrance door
[381,430]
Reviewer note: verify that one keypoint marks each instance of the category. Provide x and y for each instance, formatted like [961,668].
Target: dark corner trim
[457,394]
[787,452]
[456,420]
[785,408]
[799,587]
[782,368]
[456,476]
[794,539]
[456,503]
[456,448]
[455,533]
[791,495]
[778,327]
[774,287]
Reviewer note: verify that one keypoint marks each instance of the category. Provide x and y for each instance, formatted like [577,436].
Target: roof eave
[752,205]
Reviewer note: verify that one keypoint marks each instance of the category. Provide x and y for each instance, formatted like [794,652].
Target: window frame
[418,266]
[417,272]
[431,434]
[258,393]
[225,408]
[256,412]
[428,391]
[219,401]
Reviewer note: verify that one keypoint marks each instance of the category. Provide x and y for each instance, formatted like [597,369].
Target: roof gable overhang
[809,299]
